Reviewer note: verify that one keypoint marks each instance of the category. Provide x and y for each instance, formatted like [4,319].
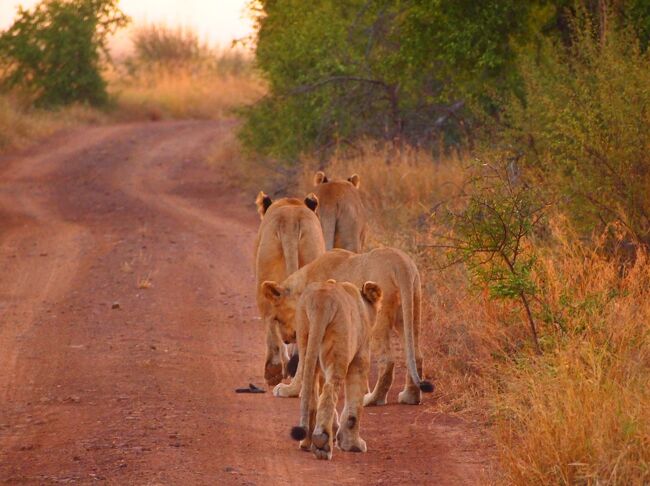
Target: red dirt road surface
[127,320]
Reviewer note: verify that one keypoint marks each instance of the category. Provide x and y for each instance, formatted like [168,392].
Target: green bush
[54,51]
[394,71]
[584,127]
[492,224]
[419,72]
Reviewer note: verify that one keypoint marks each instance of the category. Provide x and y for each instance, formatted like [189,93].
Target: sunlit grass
[161,93]
[580,413]
[21,125]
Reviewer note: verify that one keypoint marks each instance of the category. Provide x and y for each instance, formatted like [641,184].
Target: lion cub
[333,327]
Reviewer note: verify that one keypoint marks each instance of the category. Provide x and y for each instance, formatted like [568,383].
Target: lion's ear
[311,201]
[263,202]
[331,281]
[320,178]
[354,180]
[371,292]
[273,291]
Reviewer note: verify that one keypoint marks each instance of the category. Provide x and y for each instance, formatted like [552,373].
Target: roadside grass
[162,92]
[21,125]
[170,75]
[578,414]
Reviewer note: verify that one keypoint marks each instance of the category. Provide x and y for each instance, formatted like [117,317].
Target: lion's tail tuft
[298,433]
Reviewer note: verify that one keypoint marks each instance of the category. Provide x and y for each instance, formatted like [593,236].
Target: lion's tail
[411,299]
[319,319]
[289,239]
[327,215]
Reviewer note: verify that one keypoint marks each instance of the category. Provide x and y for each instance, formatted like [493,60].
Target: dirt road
[127,321]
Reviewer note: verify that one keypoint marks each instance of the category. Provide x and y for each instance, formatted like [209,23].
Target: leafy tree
[401,71]
[54,51]
[404,71]
[582,131]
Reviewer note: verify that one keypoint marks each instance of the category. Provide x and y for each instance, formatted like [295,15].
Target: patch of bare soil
[127,320]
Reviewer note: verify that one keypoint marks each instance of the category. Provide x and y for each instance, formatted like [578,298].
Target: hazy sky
[218,21]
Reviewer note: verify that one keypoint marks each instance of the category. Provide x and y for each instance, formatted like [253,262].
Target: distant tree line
[422,72]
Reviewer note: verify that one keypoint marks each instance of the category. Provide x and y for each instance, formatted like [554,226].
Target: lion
[341,212]
[333,328]
[289,236]
[398,277]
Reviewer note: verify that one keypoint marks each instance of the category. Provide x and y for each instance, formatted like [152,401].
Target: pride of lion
[337,307]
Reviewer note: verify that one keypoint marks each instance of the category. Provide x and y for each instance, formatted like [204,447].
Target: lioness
[341,212]
[399,280]
[289,236]
[333,326]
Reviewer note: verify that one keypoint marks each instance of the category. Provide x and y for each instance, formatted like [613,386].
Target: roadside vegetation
[173,74]
[505,145]
[168,73]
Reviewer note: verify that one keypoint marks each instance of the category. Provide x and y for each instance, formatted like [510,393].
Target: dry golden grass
[154,94]
[185,92]
[579,414]
[20,126]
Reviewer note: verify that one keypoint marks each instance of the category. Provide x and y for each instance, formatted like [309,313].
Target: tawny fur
[289,237]
[333,328]
[398,277]
[341,212]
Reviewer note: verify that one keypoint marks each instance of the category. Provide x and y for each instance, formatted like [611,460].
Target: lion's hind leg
[305,444]
[347,438]
[322,438]
[383,355]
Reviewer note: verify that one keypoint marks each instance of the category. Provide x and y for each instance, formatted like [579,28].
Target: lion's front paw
[273,374]
[285,391]
[370,400]
[356,445]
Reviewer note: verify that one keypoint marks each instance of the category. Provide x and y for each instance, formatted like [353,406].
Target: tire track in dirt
[131,216]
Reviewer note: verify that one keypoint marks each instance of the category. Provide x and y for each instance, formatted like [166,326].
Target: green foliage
[414,71]
[54,51]
[391,70]
[491,234]
[584,130]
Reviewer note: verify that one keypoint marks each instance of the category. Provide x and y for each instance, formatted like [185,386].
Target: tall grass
[173,74]
[578,414]
[581,414]
[161,93]
[21,125]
